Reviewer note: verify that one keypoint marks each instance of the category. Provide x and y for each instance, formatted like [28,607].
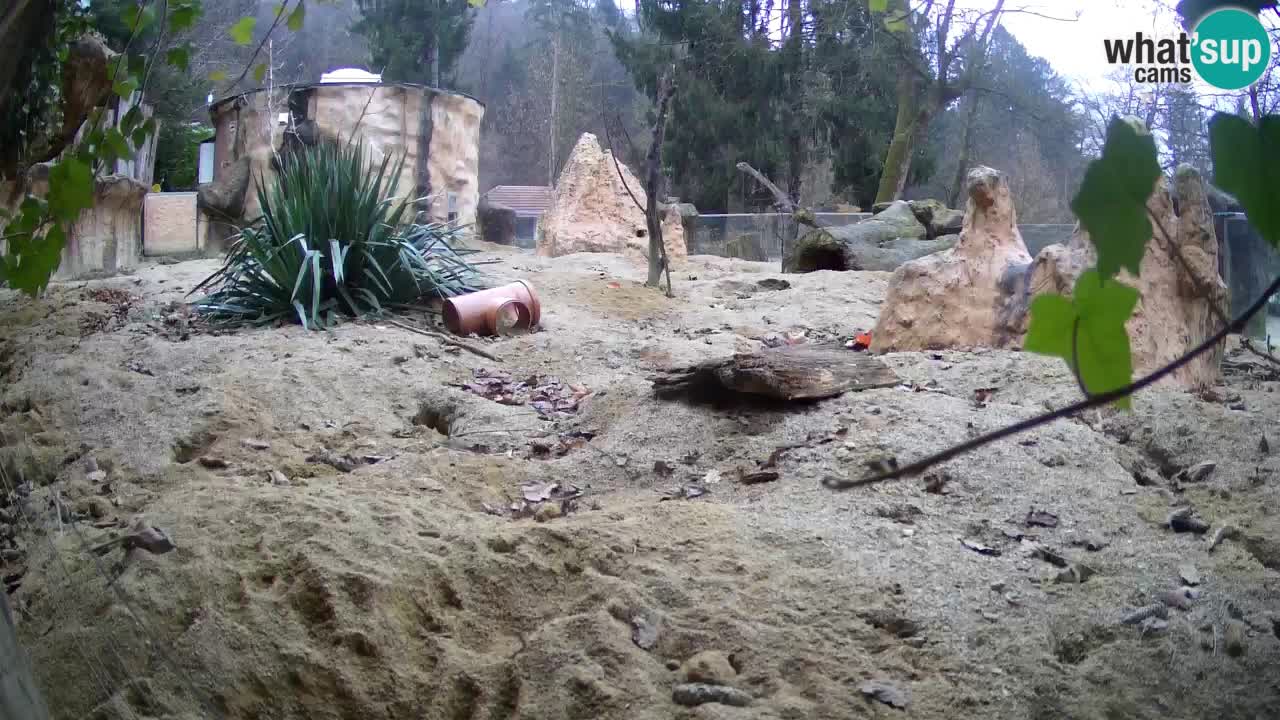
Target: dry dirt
[390,592]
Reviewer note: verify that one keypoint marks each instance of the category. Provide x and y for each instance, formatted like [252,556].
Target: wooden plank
[800,372]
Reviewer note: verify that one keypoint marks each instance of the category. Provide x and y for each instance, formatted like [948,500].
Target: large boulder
[1173,313]
[882,242]
[593,210]
[962,297]
[497,222]
[937,218]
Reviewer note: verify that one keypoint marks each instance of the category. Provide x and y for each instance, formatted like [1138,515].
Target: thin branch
[609,138]
[445,339]
[1099,400]
[271,30]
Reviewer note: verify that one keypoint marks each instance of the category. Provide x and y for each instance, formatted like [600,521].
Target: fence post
[19,697]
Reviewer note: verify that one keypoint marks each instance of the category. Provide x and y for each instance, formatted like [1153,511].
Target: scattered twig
[915,468]
[280,15]
[445,339]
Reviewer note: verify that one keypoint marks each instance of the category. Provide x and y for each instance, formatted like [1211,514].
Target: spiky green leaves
[1246,163]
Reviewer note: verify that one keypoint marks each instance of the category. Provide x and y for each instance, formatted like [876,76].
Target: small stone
[908,532]
[1175,599]
[1137,616]
[547,511]
[1184,520]
[1233,638]
[673,665]
[1189,574]
[997,586]
[709,666]
[644,633]
[212,463]
[694,694]
[91,464]
[96,476]
[278,478]
[886,692]
[255,444]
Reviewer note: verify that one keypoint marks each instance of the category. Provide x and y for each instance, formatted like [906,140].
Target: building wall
[436,133]
[170,224]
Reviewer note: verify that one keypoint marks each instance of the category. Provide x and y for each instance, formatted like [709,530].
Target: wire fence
[1248,265]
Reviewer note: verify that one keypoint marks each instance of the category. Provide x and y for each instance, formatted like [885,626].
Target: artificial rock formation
[883,242]
[937,218]
[107,237]
[1173,313]
[966,296]
[592,210]
[433,137]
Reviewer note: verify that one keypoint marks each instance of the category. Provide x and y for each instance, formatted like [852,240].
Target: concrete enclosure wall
[170,224]
[436,133]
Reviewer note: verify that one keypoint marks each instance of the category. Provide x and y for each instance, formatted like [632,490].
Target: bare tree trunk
[653,184]
[897,161]
[966,149]
[555,88]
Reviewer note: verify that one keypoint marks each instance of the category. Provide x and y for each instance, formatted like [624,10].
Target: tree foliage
[416,41]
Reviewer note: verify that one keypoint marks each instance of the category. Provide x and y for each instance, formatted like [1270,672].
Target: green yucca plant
[333,239]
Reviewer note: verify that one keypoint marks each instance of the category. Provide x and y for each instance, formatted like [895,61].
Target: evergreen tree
[415,40]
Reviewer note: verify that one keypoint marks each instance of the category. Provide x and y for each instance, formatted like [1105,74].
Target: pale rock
[1172,316]
[962,297]
[592,210]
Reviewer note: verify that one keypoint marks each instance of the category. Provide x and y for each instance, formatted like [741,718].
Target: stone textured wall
[169,222]
[106,237]
[436,133]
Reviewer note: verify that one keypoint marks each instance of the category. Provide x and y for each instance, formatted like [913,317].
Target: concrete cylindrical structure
[436,132]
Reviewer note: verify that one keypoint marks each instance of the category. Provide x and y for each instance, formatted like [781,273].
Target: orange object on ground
[861,341]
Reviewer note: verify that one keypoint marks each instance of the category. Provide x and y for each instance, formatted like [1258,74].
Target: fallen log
[800,372]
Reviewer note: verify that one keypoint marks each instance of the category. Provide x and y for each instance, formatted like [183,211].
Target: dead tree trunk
[658,262]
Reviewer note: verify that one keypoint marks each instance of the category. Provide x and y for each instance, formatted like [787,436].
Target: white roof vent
[350,75]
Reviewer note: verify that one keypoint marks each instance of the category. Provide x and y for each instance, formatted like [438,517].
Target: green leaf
[131,119]
[476,3]
[139,137]
[70,189]
[259,72]
[1112,202]
[137,65]
[1053,319]
[218,76]
[242,31]
[1102,344]
[124,89]
[118,144]
[1096,318]
[879,6]
[1246,163]
[179,57]
[136,18]
[30,262]
[184,17]
[299,15]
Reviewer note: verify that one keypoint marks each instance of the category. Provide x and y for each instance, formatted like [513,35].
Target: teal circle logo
[1231,49]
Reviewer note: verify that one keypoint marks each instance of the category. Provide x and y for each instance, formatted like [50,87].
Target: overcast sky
[1075,48]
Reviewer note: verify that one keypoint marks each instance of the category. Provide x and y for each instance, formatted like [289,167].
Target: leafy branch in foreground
[333,240]
[1088,329]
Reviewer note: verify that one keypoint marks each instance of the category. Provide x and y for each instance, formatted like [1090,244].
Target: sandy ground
[390,592]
